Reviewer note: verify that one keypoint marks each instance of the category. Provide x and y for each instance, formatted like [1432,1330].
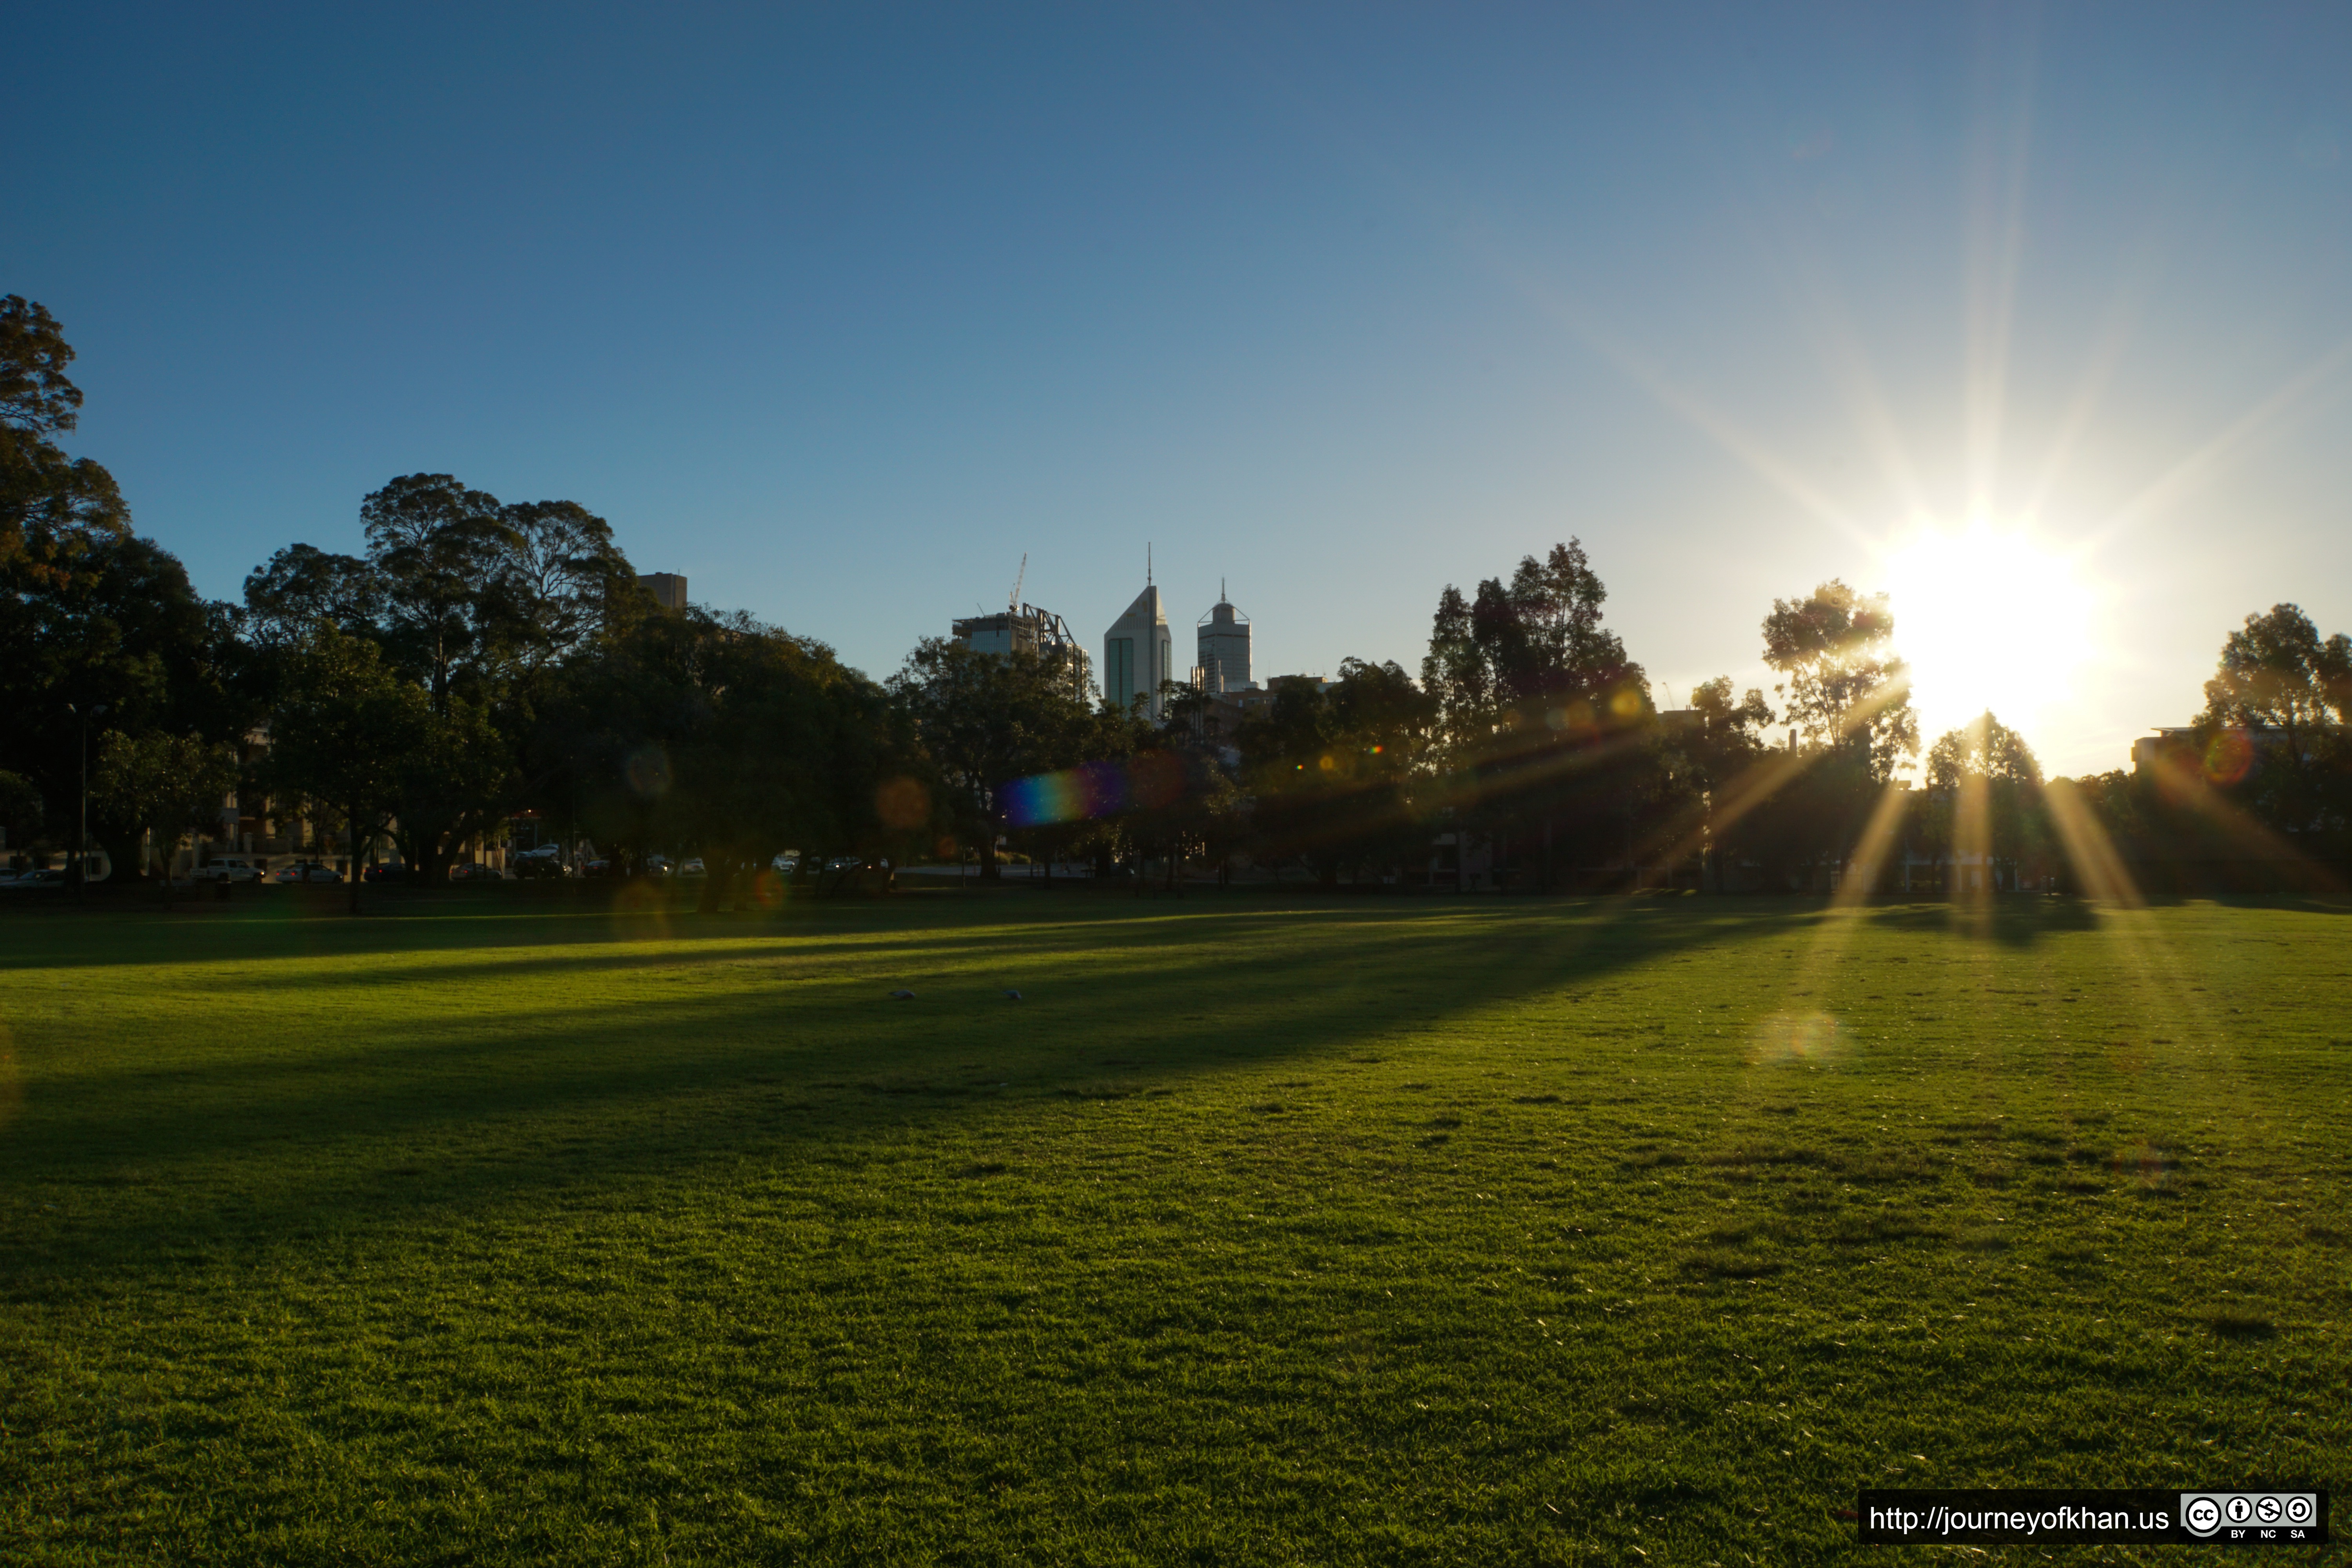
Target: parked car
[786,864]
[657,866]
[476,871]
[27,881]
[306,871]
[693,868]
[600,867]
[527,867]
[386,871]
[229,868]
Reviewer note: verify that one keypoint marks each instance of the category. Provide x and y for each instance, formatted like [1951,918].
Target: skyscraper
[1222,638]
[1135,654]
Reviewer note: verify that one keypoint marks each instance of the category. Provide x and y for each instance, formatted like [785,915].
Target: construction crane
[1014,608]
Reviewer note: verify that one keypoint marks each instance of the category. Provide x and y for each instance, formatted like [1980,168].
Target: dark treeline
[483,659]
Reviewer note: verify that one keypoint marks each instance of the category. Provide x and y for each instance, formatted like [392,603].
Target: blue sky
[841,310]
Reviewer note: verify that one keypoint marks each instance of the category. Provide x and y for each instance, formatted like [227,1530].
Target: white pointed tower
[1136,653]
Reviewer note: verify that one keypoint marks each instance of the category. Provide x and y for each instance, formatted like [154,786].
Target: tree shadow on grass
[437,1110]
[2008,920]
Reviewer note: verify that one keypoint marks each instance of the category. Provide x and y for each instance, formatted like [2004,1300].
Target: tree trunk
[354,818]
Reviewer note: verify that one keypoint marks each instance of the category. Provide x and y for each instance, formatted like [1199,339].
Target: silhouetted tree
[2291,692]
[1845,686]
[1707,758]
[439,548]
[47,499]
[1984,796]
[1332,770]
[301,585]
[350,734]
[1849,700]
[1541,715]
[986,719]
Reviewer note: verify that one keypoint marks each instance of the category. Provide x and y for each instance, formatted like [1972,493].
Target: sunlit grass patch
[1473,1231]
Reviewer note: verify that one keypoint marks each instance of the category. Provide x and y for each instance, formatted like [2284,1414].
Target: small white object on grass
[1014,995]
[902,997]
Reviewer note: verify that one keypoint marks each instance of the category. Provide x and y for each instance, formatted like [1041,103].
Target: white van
[229,868]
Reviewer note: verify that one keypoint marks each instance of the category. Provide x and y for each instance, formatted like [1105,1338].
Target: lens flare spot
[2229,757]
[641,909]
[648,771]
[1145,782]
[902,803]
[2150,1166]
[1791,1037]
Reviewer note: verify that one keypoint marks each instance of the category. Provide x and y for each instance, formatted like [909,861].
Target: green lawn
[1298,1231]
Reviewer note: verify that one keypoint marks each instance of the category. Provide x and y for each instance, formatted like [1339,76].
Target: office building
[1222,638]
[1137,655]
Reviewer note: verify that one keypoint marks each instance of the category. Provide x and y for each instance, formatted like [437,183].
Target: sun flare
[1988,618]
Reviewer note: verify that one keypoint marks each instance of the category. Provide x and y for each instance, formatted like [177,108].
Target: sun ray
[1996,254]
[1878,838]
[2217,452]
[2098,869]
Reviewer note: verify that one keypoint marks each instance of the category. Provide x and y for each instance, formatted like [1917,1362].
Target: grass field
[1479,1232]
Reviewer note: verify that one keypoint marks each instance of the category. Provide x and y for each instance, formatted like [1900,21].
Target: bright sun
[1987,618]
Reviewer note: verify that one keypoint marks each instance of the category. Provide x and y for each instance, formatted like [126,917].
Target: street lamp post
[82,845]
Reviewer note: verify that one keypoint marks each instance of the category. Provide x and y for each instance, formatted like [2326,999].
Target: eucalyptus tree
[301,585]
[47,499]
[1332,771]
[2290,690]
[90,614]
[351,733]
[558,583]
[724,737]
[1711,763]
[439,548]
[1984,795]
[1540,713]
[1847,699]
[1845,688]
[987,720]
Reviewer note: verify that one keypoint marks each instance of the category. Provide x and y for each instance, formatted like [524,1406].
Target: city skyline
[838,320]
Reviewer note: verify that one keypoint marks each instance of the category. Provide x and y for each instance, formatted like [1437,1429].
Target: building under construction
[1030,630]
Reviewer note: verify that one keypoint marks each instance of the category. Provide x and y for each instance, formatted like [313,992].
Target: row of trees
[482,659]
